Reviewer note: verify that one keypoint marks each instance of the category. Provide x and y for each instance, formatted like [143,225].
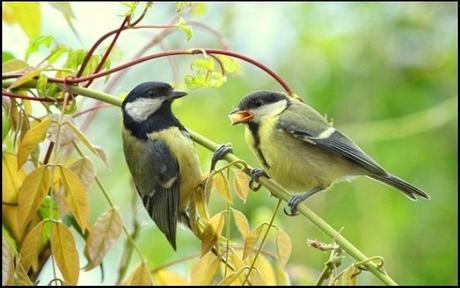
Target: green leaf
[131,7]
[26,14]
[182,5]
[7,56]
[199,8]
[36,43]
[42,84]
[231,65]
[31,74]
[14,65]
[75,58]
[57,53]
[182,25]
[92,65]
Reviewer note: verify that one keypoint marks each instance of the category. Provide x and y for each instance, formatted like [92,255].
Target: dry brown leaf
[241,185]
[6,261]
[33,191]
[103,235]
[35,135]
[85,170]
[76,196]
[65,252]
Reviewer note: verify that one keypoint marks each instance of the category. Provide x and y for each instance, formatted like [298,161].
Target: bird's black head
[149,98]
[257,105]
[260,98]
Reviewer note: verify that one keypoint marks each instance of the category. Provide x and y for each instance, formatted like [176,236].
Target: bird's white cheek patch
[142,108]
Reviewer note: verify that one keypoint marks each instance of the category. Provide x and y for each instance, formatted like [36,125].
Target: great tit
[160,155]
[301,150]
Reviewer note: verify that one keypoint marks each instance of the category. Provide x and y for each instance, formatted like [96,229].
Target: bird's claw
[293,202]
[220,153]
[255,174]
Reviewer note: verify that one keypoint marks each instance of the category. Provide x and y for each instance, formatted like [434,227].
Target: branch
[270,185]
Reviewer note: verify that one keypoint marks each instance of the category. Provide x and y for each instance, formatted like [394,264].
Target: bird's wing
[160,194]
[314,129]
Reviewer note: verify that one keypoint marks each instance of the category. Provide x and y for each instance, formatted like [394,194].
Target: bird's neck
[162,119]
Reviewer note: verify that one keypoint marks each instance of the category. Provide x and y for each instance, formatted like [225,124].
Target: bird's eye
[151,93]
[257,103]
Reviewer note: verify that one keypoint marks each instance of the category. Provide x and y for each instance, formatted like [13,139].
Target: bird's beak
[240,116]
[177,94]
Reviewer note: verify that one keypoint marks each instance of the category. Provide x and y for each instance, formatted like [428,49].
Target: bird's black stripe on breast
[254,128]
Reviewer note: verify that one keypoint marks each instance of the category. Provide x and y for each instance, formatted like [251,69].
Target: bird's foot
[255,174]
[295,200]
[220,153]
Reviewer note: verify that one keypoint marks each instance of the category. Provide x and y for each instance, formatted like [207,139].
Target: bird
[161,156]
[301,150]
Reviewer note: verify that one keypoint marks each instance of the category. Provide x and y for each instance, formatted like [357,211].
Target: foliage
[49,207]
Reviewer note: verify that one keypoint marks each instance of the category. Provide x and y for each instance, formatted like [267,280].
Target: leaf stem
[261,246]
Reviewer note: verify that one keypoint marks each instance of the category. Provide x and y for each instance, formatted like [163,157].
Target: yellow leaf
[241,222]
[26,14]
[212,232]
[85,170]
[141,276]
[33,191]
[21,277]
[103,235]
[350,276]
[256,278]
[12,177]
[165,277]
[35,135]
[14,65]
[221,183]
[282,277]
[76,196]
[29,75]
[201,203]
[266,270]
[64,252]
[204,270]
[251,240]
[94,149]
[31,246]
[231,278]
[241,185]
[283,247]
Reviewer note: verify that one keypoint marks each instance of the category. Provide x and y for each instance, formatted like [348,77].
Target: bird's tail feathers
[408,189]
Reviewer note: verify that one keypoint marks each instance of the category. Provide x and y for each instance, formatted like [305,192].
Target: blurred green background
[386,73]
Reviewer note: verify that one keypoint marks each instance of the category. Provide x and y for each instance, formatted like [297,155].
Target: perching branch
[276,190]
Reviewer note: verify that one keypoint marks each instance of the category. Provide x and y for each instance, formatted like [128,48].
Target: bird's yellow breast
[296,165]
